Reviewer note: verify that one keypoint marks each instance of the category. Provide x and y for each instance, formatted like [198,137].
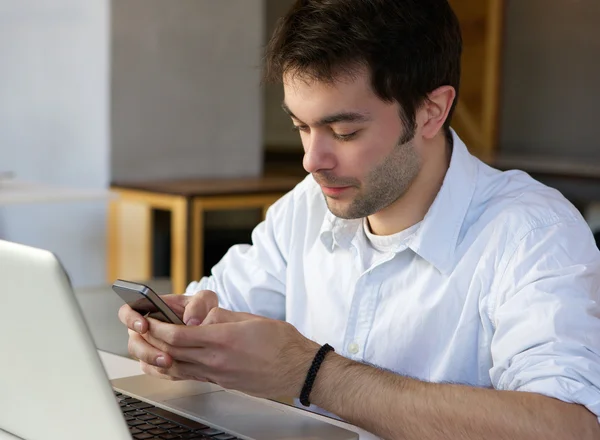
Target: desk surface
[214,187]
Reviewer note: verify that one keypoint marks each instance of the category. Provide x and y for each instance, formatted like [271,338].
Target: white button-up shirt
[498,287]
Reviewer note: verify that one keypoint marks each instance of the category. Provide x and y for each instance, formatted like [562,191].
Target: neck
[411,208]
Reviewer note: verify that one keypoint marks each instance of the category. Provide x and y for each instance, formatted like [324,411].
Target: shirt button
[353,348]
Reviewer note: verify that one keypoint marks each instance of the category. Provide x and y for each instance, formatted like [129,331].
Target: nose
[318,153]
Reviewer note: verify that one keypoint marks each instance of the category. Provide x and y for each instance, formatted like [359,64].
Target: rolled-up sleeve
[252,278]
[547,318]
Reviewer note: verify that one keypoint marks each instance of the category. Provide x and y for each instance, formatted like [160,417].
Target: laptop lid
[53,384]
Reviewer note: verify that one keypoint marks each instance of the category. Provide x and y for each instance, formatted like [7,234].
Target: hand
[248,353]
[191,309]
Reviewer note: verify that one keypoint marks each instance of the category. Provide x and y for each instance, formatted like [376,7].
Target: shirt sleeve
[547,318]
[252,278]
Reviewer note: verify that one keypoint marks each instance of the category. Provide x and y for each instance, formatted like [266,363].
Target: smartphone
[145,301]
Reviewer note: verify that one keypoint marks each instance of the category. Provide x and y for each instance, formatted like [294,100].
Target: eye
[345,137]
[301,128]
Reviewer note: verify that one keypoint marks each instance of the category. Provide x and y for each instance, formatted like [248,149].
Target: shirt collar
[338,232]
[437,237]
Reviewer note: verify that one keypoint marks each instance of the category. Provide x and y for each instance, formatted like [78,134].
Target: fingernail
[193,321]
[161,362]
[137,326]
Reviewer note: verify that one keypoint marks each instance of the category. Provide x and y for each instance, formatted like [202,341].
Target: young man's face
[352,143]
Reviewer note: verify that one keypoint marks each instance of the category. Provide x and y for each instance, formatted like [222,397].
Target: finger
[177,303]
[140,349]
[189,336]
[199,306]
[157,343]
[218,333]
[186,371]
[132,319]
[179,353]
[179,371]
[151,370]
[182,354]
[222,316]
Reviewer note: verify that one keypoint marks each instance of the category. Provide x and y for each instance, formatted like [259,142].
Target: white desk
[14,192]
[117,367]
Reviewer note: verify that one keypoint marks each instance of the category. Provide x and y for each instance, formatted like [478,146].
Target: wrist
[312,373]
[302,362]
[331,377]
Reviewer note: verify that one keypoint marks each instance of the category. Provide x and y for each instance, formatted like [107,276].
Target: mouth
[333,191]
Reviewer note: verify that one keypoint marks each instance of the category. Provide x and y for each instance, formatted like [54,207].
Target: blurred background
[160,102]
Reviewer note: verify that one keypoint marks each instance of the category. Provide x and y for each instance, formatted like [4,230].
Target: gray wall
[551,78]
[186,100]
[54,124]
[278,126]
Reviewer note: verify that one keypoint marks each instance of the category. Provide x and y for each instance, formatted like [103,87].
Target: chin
[340,210]
[335,208]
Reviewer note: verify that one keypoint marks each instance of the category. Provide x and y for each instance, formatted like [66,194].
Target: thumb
[222,316]
[198,307]
[176,302]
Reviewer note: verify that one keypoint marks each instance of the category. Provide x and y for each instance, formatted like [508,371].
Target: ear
[435,110]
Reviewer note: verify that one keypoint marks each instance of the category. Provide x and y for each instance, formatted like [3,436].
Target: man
[461,301]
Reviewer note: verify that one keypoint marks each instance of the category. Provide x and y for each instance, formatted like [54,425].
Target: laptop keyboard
[147,421]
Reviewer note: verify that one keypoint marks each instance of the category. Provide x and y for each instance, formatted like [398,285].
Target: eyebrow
[335,118]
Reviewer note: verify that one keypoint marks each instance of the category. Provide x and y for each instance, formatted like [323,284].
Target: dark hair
[411,47]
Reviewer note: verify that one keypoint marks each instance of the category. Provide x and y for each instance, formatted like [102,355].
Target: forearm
[395,407]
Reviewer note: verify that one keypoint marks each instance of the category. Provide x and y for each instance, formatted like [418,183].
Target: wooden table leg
[197,239]
[129,240]
[179,245]
[112,237]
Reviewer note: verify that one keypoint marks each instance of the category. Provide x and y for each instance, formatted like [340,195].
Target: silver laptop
[54,386]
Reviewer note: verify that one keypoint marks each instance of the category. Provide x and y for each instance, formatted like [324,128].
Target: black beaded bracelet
[312,373]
